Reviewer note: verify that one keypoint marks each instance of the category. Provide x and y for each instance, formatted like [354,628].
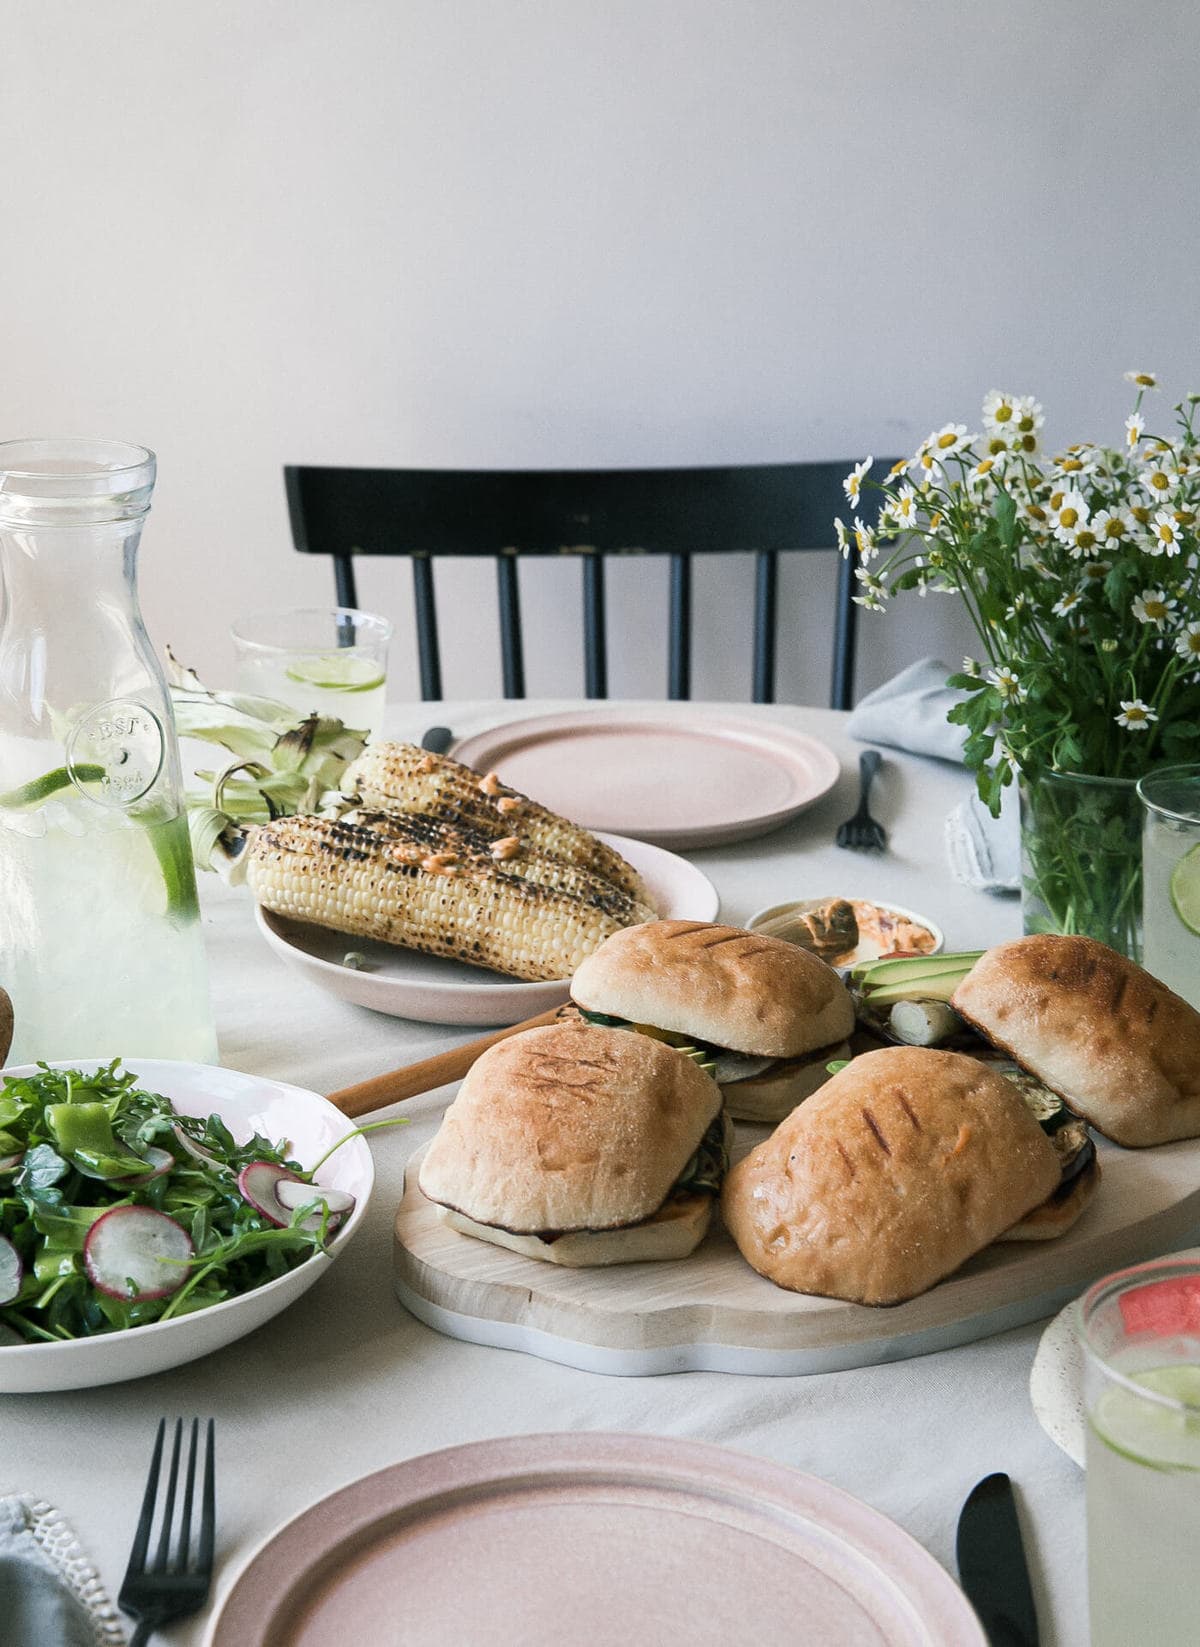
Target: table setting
[496,1170]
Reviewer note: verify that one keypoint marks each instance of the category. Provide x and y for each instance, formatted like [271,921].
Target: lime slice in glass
[1185,889]
[336,672]
[1150,1432]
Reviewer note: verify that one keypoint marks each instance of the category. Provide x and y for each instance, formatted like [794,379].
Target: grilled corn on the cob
[429,886]
[399,777]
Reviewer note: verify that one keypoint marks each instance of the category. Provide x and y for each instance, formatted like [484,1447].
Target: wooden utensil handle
[437,1071]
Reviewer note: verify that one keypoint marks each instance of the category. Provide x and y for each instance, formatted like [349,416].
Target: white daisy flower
[1029,416]
[1144,380]
[897,469]
[971,667]
[1164,535]
[843,537]
[905,506]
[1153,606]
[1068,509]
[1021,604]
[1095,571]
[1067,602]
[1159,480]
[874,594]
[997,445]
[1008,683]
[1082,541]
[1135,425]
[864,539]
[923,463]
[852,485]
[1135,715]
[1187,643]
[1073,465]
[1114,526]
[943,443]
[999,410]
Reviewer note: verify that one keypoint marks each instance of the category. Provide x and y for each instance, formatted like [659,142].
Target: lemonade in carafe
[100,942]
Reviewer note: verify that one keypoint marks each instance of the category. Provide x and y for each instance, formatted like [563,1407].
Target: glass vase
[1081,858]
[100,942]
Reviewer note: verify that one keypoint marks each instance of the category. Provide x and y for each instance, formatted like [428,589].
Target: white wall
[577,232]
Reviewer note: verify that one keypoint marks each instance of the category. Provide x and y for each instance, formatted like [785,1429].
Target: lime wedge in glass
[336,672]
[1185,889]
[1151,1432]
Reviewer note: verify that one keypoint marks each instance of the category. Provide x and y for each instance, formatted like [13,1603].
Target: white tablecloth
[347,1382]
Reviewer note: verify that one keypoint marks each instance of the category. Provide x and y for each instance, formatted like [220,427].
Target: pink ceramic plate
[597,1539]
[677,778]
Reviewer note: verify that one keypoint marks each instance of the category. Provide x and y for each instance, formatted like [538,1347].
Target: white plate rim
[688,721]
[899,1560]
[30,1354]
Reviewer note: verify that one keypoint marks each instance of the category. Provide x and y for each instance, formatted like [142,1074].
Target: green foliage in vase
[1081,575]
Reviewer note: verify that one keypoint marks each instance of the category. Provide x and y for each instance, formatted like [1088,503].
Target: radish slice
[137,1253]
[10,1163]
[158,1162]
[11,1271]
[195,1150]
[293,1193]
[259,1183]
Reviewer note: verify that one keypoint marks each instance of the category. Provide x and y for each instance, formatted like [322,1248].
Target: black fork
[174,1583]
[862,833]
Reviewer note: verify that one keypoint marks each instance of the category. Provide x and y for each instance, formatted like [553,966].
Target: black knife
[991,1564]
[437,740]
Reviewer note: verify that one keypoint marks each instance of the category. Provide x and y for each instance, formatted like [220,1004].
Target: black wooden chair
[766,509]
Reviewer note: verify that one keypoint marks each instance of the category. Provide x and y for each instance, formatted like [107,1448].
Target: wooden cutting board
[713,1312]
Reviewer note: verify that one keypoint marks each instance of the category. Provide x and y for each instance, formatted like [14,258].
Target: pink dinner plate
[679,779]
[600,1540]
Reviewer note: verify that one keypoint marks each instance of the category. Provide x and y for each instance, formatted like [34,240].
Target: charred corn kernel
[505,849]
[346,876]
[399,777]
[440,863]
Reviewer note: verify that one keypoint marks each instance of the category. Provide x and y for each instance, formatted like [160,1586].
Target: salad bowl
[247,1104]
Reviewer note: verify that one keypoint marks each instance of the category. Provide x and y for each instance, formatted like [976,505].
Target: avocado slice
[869,973]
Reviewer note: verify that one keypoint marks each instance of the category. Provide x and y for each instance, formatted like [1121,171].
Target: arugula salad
[116,1211]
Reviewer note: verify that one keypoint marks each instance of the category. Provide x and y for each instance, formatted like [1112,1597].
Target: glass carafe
[100,942]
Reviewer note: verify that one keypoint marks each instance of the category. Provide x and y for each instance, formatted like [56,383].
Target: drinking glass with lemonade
[1140,1331]
[1171,878]
[325,660]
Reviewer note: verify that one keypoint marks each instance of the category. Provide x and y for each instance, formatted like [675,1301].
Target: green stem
[40,789]
[371,1126]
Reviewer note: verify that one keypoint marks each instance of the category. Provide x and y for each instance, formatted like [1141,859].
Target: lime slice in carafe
[1185,889]
[336,672]
[1162,1435]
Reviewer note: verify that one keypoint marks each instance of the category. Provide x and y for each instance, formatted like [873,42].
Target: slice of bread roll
[1118,1047]
[898,1170]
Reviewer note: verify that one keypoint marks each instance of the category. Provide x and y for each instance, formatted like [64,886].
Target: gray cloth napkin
[50,1594]
[909,712]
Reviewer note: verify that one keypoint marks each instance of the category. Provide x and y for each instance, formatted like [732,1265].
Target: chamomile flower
[1153,606]
[843,538]
[1159,480]
[1029,416]
[999,410]
[1114,526]
[1073,465]
[943,443]
[864,540]
[1082,541]
[985,473]
[1135,715]
[1135,425]
[905,506]
[1143,380]
[852,485]
[997,445]
[1067,602]
[1095,571]
[874,594]
[897,469]
[971,667]
[1008,683]
[1068,510]
[1021,604]
[923,463]
[1164,536]
[1187,643]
